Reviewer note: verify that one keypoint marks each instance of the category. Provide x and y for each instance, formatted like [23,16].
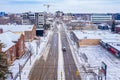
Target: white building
[40,19]
[28,18]
[101,18]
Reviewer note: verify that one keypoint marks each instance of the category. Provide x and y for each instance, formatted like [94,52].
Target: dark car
[64,48]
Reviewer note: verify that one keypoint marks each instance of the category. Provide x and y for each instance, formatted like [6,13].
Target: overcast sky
[70,6]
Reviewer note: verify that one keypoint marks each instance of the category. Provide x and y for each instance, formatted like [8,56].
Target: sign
[104,69]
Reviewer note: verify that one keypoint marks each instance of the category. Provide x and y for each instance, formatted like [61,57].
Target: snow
[96,54]
[117,26]
[113,43]
[88,56]
[7,39]
[88,59]
[25,61]
[16,28]
[95,34]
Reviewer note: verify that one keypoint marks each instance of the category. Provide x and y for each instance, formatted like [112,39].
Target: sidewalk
[25,63]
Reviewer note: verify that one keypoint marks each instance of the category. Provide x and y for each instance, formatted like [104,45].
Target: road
[47,69]
[71,72]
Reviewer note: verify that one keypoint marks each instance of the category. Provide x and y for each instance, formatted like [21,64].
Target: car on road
[64,49]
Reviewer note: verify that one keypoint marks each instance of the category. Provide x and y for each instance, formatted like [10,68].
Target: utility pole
[37,45]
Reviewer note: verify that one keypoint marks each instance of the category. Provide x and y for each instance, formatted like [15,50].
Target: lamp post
[19,71]
[36,48]
[30,55]
[30,52]
[37,45]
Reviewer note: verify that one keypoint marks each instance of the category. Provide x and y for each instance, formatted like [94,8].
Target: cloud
[89,5]
[63,5]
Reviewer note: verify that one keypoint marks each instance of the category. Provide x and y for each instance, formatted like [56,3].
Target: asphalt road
[71,72]
[47,69]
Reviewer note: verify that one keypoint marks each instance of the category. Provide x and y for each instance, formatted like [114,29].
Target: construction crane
[48,6]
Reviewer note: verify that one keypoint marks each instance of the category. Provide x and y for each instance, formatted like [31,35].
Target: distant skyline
[67,6]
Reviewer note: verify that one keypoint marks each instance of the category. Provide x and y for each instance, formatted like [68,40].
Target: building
[85,37]
[28,18]
[116,16]
[14,45]
[81,25]
[40,21]
[1,31]
[117,28]
[59,14]
[112,46]
[2,14]
[29,31]
[101,18]
[4,20]
[66,18]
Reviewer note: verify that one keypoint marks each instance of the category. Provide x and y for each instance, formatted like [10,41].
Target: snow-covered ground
[89,60]
[25,62]
[97,54]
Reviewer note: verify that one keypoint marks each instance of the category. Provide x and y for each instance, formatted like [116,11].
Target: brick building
[14,45]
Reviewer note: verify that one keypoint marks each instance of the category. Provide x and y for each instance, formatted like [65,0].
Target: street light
[37,45]
[20,67]
[30,52]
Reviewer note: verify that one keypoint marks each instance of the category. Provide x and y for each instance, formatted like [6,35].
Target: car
[64,48]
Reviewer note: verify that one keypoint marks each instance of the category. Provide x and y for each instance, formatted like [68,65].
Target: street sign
[104,69]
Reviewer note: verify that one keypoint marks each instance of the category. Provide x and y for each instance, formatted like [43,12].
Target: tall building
[40,21]
[28,18]
[59,14]
[101,18]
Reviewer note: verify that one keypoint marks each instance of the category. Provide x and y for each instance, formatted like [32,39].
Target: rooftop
[7,39]
[16,28]
[98,34]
